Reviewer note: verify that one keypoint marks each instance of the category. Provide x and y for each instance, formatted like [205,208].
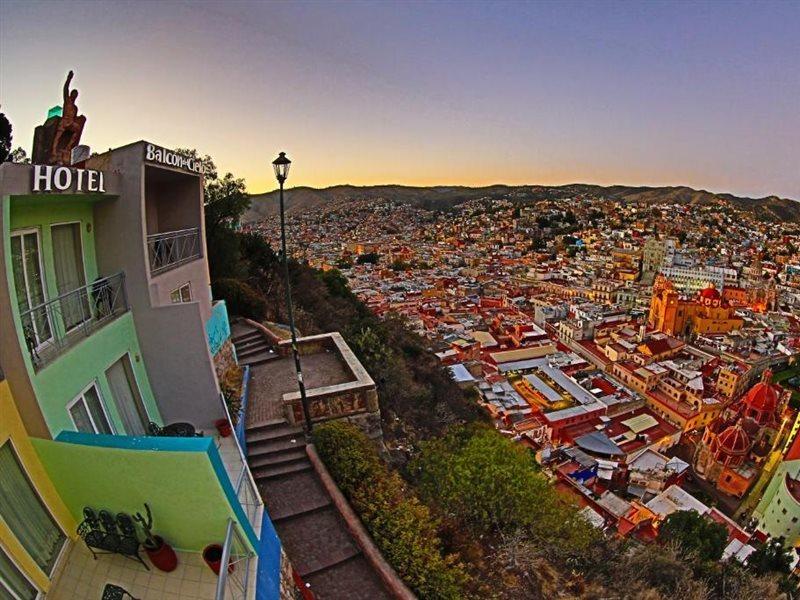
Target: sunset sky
[656,93]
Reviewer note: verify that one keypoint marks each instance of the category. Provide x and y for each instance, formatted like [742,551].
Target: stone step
[273,432]
[277,471]
[274,459]
[302,506]
[258,359]
[258,447]
[256,348]
[246,337]
[250,344]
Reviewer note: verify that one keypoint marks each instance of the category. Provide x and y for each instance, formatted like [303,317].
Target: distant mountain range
[300,199]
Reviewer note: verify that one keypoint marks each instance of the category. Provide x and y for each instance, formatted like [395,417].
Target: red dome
[710,292]
[762,397]
[734,440]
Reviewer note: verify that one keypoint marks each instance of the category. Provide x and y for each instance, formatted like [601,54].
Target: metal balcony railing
[55,325]
[172,249]
[233,582]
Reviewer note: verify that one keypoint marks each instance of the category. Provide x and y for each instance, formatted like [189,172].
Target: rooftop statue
[54,140]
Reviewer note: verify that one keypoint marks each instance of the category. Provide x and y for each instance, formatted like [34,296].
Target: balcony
[58,324]
[172,249]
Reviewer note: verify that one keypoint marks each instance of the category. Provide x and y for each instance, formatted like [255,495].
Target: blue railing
[241,425]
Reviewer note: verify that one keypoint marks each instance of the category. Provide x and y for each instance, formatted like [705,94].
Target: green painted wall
[62,380]
[190,509]
[59,382]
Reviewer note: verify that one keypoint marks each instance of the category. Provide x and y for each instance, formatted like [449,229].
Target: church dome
[763,396]
[711,292]
[734,441]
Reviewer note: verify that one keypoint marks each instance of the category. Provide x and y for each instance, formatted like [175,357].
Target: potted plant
[224,427]
[212,554]
[160,552]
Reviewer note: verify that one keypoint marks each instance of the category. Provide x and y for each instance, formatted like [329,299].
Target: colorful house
[112,353]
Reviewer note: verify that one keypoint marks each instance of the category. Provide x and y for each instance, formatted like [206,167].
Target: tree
[694,534]
[370,257]
[5,137]
[18,155]
[771,557]
[488,482]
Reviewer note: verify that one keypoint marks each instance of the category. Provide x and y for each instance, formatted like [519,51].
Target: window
[88,413]
[13,582]
[25,513]
[182,294]
[126,396]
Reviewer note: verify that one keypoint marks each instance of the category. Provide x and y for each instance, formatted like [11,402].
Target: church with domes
[735,446]
[706,313]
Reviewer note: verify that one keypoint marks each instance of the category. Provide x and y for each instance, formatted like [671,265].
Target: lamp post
[281,166]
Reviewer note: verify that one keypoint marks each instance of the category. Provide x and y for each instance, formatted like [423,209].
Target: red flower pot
[163,556]
[224,427]
[212,554]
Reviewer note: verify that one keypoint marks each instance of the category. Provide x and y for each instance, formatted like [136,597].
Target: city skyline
[426,94]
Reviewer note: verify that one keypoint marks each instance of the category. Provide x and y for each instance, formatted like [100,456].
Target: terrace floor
[269,381]
[82,577]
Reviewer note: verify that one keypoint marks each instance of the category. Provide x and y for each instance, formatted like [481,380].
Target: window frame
[83,265]
[179,292]
[22,572]
[21,233]
[82,397]
[62,551]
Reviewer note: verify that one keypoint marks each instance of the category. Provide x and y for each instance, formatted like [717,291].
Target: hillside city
[644,352]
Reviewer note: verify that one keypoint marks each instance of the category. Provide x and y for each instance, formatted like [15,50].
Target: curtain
[96,408]
[126,398]
[13,583]
[25,514]
[68,264]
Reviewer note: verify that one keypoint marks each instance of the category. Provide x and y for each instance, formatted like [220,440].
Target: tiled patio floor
[83,578]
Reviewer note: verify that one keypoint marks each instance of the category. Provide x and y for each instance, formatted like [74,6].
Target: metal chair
[114,592]
[173,430]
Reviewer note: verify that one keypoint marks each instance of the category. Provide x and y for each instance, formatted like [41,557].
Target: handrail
[171,249]
[60,322]
[234,570]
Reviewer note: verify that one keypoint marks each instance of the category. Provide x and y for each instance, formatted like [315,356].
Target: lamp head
[281,166]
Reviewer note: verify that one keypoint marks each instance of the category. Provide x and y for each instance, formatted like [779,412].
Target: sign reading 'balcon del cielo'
[162,156]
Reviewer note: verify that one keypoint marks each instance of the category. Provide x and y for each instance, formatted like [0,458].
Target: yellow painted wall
[11,428]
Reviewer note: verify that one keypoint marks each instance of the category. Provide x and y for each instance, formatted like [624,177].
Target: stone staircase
[321,549]
[252,347]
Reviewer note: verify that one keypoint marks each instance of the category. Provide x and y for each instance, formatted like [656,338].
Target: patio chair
[115,592]
[173,430]
[106,534]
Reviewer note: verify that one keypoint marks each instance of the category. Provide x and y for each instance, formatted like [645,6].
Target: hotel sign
[49,178]
[162,156]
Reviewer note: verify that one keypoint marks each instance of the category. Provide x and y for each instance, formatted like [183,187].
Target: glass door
[126,397]
[26,264]
[25,514]
[70,274]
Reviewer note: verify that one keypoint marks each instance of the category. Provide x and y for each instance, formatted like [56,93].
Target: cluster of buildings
[642,356]
[112,356]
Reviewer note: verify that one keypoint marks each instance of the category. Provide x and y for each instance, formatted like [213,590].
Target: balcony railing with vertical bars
[54,326]
[172,249]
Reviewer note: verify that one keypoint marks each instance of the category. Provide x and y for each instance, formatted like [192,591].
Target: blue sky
[658,93]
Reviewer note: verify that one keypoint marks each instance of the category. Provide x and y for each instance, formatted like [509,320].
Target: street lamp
[281,166]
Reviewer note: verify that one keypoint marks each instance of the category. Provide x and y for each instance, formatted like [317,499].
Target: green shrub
[401,526]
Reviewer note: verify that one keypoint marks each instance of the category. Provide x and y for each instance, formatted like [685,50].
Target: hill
[302,199]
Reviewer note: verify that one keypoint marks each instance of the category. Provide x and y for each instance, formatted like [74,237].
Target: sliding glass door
[26,264]
[25,514]
[126,396]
